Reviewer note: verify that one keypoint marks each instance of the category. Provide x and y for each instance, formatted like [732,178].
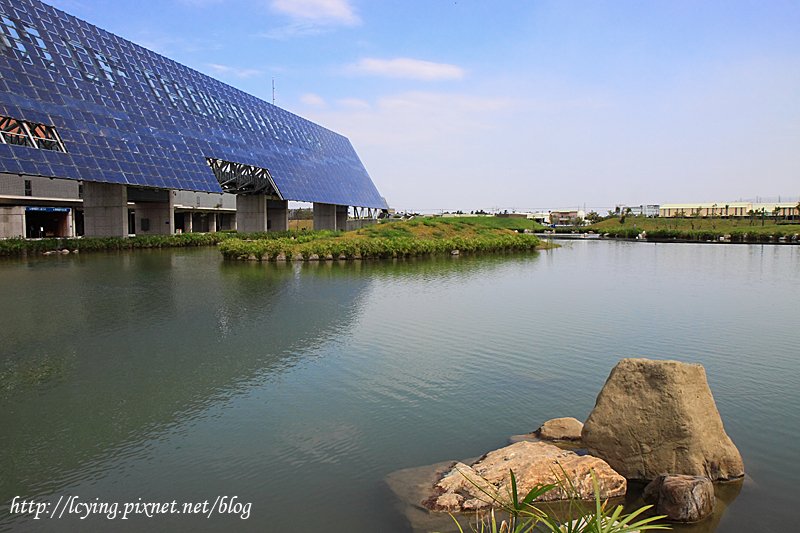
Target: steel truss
[366,213]
[238,178]
[33,134]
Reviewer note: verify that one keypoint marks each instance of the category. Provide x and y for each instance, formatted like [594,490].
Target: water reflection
[102,355]
[175,375]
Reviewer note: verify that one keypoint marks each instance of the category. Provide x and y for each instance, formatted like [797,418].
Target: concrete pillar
[278,215]
[251,212]
[212,222]
[71,223]
[187,222]
[105,209]
[12,222]
[341,217]
[156,218]
[324,216]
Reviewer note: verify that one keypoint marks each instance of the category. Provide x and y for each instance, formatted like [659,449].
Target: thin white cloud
[407,68]
[227,70]
[327,12]
[356,104]
[313,100]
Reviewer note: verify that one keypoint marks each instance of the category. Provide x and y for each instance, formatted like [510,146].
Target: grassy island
[697,229]
[417,237]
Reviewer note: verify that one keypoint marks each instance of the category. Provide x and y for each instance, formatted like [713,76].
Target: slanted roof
[128,115]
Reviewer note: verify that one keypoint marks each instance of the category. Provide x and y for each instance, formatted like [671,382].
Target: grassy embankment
[698,229]
[421,236]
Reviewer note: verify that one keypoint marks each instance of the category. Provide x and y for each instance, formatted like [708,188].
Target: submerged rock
[681,498]
[566,428]
[659,417]
[476,486]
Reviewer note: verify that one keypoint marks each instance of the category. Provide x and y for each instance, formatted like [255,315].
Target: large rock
[567,428]
[477,486]
[681,498]
[658,417]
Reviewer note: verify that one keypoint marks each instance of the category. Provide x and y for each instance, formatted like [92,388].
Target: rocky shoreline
[654,423]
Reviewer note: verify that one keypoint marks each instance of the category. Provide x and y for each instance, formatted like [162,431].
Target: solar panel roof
[128,115]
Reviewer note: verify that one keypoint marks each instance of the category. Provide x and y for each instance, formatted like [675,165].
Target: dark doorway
[41,222]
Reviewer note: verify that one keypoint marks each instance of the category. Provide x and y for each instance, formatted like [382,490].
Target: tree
[593,217]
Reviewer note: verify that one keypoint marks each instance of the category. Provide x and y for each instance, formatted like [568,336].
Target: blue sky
[513,104]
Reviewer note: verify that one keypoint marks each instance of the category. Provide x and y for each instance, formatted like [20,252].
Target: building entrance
[41,222]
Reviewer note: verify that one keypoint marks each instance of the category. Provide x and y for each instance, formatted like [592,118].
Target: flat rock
[476,486]
[566,428]
[658,417]
[681,498]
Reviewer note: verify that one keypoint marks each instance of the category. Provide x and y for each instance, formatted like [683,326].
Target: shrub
[522,516]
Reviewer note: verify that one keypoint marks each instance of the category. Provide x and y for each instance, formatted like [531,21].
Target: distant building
[564,217]
[512,215]
[648,210]
[542,217]
[728,210]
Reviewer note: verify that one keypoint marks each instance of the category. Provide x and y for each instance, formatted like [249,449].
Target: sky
[518,105]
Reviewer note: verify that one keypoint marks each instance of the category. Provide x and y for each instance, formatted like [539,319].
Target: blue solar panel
[128,115]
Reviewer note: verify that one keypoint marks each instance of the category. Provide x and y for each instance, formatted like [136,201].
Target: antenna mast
[273,91]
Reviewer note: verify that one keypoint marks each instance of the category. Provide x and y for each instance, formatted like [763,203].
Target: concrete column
[251,212]
[278,215]
[71,223]
[341,217]
[212,222]
[156,218]
[187,222]
[105,209]
[324,216]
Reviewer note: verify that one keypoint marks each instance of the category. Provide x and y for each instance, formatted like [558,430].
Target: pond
[172,375]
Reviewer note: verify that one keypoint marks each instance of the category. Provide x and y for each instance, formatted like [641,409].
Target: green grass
[417,237]
[16,247]
[701,229]
[420,236]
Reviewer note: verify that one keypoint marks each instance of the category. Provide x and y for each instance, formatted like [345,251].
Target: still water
[160,376]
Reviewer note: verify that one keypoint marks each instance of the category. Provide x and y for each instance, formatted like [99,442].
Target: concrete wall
[341,217]
[324,216]
[204,200]
[278,215]
[158,216]
[358,223]
[12,222]
[105,210]
[251,213]
[14,185]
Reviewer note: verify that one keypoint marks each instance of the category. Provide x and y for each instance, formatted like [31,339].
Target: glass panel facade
[131,116]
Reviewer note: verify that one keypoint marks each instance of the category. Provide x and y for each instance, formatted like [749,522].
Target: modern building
[730,209]
[102,137]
